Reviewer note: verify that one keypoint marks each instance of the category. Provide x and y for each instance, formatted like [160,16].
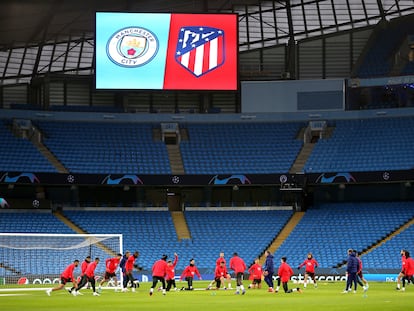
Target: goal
[37,259]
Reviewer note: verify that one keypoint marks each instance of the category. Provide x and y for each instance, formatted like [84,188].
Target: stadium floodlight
[28,259]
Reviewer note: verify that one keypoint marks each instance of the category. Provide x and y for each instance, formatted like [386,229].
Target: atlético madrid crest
[132,47]
[200,49]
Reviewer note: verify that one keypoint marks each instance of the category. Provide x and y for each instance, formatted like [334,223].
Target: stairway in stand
[176,162]
[180,225]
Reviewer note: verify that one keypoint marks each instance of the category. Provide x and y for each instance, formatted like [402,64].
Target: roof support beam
[381,9]
[291,48]
[43,24]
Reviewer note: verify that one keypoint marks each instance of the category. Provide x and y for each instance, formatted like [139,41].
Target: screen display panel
[159,51]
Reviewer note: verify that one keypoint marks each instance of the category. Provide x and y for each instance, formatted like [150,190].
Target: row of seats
[32,222]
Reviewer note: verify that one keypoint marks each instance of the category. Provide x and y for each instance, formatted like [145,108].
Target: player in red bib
[256,273]
[111,265]
[65,277]
[188,274]
[310,264]
[89,277]
[159,271]
[408,270]
[220,275]
[129,277]
[238,266]
[227,277]
[170,278]
[284,273]
[83,267]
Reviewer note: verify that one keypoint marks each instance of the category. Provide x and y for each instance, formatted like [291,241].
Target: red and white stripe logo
[200,49]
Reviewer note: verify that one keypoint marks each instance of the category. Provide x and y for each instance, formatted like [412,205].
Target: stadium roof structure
[38,37]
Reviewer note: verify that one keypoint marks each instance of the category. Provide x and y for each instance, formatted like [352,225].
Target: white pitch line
[6,295]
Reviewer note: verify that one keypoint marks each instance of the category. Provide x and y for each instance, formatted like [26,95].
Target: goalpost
[28,259]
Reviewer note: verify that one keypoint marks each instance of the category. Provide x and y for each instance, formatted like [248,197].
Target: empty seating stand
[365,145]
[101,148]
[258,148]
[329,230]
[20,155]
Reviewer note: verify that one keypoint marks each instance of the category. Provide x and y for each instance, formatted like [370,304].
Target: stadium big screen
[159,51]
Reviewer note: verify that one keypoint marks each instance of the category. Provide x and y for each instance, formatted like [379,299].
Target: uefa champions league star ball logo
[36,203]
[71,179]
[132,47]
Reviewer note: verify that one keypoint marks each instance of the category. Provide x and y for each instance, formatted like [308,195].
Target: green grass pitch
[327,297]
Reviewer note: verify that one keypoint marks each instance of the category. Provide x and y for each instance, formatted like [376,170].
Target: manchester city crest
[132,47]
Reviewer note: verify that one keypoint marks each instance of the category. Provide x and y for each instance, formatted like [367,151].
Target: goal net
[36,259]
